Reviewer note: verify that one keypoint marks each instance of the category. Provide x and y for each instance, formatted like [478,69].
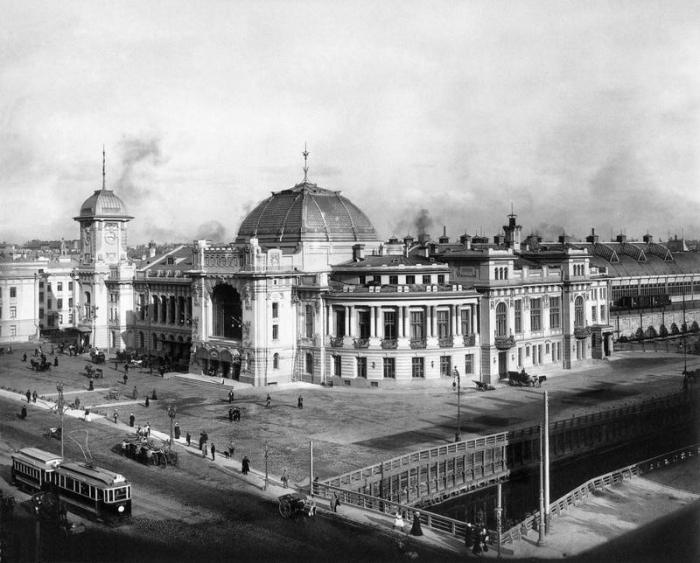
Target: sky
[578,114]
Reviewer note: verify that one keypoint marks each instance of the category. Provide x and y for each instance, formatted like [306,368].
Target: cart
[293,504]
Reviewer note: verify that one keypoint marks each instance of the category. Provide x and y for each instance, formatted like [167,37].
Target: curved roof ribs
[633,251]
[605,251]
[289,210]
[262,213]
[352,222]
[323,216]
[661,251]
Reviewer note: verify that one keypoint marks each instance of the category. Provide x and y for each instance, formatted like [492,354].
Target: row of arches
[502,316]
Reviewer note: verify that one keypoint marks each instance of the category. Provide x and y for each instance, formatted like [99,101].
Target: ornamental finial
[306,165]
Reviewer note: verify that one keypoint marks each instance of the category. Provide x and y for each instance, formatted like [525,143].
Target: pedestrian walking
[416,529]
[148,429]
[268,401]
[201,440]
[230,396]
[34,396]
[204,449]
[126,378]
[134,393]
[300,402]
[91,385]
[115,416]
[24,357]
[398,522]
[213,452]
[126,368]
[29,396]
[231,449]
[132,418]
[245,465]
[23,412]
[335,502]
[147,402]
[176,429]
[87,414]
[188,439]
[55,362]
[230,415]
[285,478]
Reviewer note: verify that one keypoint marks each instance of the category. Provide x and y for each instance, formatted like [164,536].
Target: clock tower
[105,273]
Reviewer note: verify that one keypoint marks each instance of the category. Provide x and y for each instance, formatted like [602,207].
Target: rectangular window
[417,369]
[602,313]
[13,312]
[390,325]
[441,279]
[410,280]
[41,296]
[393,280]
[363,280]
[13,292]
[59,286]
[445,366]
[518,316]
[70,302]
[466,320]
[13,330]
[275,310]
[363,323]
[59,304]
[70,320]
[443,324]
[468,364]
[41,285]
[417,325]
[594,314]
[337,366]
[390,368]
[70,286]
[60,318]
[41,312]
[309,321]
[362,367]
[48,286]
[535,314]
[49,304]
[275,332]
[426,280]
[520,356]
[51,320]
[554,312]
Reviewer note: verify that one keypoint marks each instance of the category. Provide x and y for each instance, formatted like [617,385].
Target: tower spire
[306,164]
[103,167]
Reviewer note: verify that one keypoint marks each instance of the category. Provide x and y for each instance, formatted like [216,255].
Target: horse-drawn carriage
[148,451]
[523,379]
[292,505]
[42,365]
[97,356]
[93,372]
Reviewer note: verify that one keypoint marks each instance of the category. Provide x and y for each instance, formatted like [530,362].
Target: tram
[83,487]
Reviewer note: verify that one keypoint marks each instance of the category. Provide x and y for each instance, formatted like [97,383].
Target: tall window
[309,363]
[446,366]
[363,323]
[390,368]
[501,320]
[13,292]
[555,312]
[275,332]
[390,325]
[275,310]
[443,324]
[362,367]
[337,366]
[309,321]
[410,280]
[393,280]
[594,314]
[59,286]
[469,364]
[417,367]
[602,313]
[276,361]
[426,279]
[59,304]
[518,316]
[579,319]
[417,325]
[441,279]
[70,286]
[535,314]
[466,320]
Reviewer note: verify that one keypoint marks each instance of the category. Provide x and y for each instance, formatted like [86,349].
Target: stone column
[458,320]
[347,321]
[433,321]
[372,322]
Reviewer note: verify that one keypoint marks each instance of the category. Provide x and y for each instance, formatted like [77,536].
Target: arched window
[154,341]
[141,342]
[309,363]
[505,273]
[501,320]
[226,304]
[163,309]
[276,361]
[579,319]
[309,321]
[155,313]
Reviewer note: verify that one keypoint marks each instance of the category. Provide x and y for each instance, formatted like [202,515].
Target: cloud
[137,154]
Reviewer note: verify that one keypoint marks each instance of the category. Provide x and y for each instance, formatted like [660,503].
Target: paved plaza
[349,427]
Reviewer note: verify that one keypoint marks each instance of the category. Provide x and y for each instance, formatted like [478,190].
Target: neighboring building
[19,304]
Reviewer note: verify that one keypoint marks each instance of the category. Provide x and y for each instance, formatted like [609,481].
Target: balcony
[361,342]
[504,342]
[582,332]
[389,343]
[337,341]
[417,343]
[445,342]
[469,339]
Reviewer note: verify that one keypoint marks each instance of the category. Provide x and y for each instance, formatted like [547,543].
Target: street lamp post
[59,388]
[266,473]
[172,410]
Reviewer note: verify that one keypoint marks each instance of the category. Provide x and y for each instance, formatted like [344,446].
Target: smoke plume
[134,152]
[212,230]
[422,223]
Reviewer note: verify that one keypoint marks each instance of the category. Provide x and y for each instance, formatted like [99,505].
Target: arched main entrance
[226,312]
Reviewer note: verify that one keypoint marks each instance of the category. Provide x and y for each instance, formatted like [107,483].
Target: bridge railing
[581,493]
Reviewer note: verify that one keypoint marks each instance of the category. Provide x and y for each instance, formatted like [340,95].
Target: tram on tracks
[83,487]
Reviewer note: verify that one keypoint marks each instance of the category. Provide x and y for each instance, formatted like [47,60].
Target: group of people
[477,537]
[31,396]
[400,522]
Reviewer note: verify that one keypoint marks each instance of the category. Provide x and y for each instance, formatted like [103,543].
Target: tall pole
[547,520]
[311,468]
[540,527]
[458,434]
[499,515]
[266,473]
[59,388]
[172,411]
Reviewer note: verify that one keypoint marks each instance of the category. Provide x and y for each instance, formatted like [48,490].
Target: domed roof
[103,204]
[306,213]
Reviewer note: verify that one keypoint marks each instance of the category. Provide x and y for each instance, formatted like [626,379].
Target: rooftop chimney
[444,239]
[621,238]
[358,252]
[649,239]
[593,237]
[466,241]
